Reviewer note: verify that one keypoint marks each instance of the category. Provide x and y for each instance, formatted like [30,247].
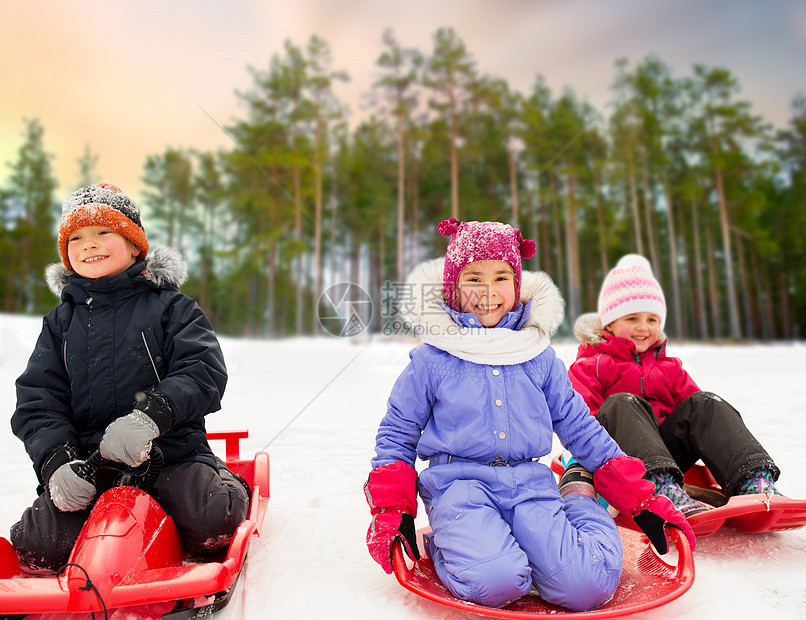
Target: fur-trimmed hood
[165,268]
[588,329]
[424,310]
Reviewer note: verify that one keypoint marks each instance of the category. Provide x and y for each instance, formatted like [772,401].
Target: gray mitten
[68,490]
[128,439]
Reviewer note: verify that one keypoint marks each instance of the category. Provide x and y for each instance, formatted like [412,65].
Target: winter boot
[576,480]
[757,481]
[665,484]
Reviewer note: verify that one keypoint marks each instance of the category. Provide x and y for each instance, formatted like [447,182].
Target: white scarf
[497,346]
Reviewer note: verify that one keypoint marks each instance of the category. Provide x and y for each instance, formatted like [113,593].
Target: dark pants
[701,427]
[205,506]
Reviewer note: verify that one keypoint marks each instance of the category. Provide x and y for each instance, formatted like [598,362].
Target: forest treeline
[677,168]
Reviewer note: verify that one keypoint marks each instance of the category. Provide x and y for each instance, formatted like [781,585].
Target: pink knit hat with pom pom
[475,241]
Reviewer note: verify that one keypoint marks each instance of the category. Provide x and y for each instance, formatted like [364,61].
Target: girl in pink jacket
[649,404]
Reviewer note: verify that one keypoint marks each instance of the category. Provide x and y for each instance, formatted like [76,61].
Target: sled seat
[647,582]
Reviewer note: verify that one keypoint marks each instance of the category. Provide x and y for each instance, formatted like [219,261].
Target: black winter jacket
[109,339]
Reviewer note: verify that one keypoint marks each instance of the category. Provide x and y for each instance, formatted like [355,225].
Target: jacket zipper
[637,359]
[150,357]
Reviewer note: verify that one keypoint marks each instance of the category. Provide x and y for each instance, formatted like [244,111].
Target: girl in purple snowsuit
[480,401]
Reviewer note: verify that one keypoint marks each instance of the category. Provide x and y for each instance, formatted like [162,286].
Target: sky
[132,78]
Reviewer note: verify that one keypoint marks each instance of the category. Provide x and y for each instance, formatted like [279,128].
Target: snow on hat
[475,241]
[101,205]
[630,287]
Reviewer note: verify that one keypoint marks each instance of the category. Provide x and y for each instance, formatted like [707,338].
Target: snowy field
[315,404]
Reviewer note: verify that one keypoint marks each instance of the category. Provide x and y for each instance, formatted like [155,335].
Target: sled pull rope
[88,586]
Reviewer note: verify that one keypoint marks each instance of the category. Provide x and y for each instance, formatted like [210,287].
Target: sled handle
[685,557]
[95,461]
[231,439]
[155,462]
[89,467]
[400,568]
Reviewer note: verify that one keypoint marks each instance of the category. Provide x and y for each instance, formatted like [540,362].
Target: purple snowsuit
[499,523]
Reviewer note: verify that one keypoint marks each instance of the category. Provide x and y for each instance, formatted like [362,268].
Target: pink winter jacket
[607,365]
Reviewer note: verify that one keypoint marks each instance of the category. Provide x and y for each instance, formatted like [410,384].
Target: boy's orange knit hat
[101,205]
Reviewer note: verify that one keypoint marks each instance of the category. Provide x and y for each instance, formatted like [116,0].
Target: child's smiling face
[487,289]
[98,251]
[640,328]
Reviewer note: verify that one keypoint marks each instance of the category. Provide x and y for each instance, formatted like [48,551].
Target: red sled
[753,514]
[647,582]
[129,556]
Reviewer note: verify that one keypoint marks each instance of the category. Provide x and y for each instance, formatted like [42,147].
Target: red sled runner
[129,555]
[752,514]
[646,582]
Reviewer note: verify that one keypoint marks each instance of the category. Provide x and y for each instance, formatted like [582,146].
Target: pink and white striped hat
[630,287]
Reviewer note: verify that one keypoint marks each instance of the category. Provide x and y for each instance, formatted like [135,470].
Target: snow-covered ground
[315,404]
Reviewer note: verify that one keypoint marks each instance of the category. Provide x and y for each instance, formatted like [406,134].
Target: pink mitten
[621,482]
[391,493]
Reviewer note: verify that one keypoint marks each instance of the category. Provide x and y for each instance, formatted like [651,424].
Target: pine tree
[29,225]
[724,123]
[403,68]
[451,73]
[325,110]
[86,168]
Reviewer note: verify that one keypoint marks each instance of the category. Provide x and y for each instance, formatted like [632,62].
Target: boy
[125,360]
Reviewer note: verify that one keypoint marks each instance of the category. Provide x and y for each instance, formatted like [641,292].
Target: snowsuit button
[501,435]
[496,372]
[499,402]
